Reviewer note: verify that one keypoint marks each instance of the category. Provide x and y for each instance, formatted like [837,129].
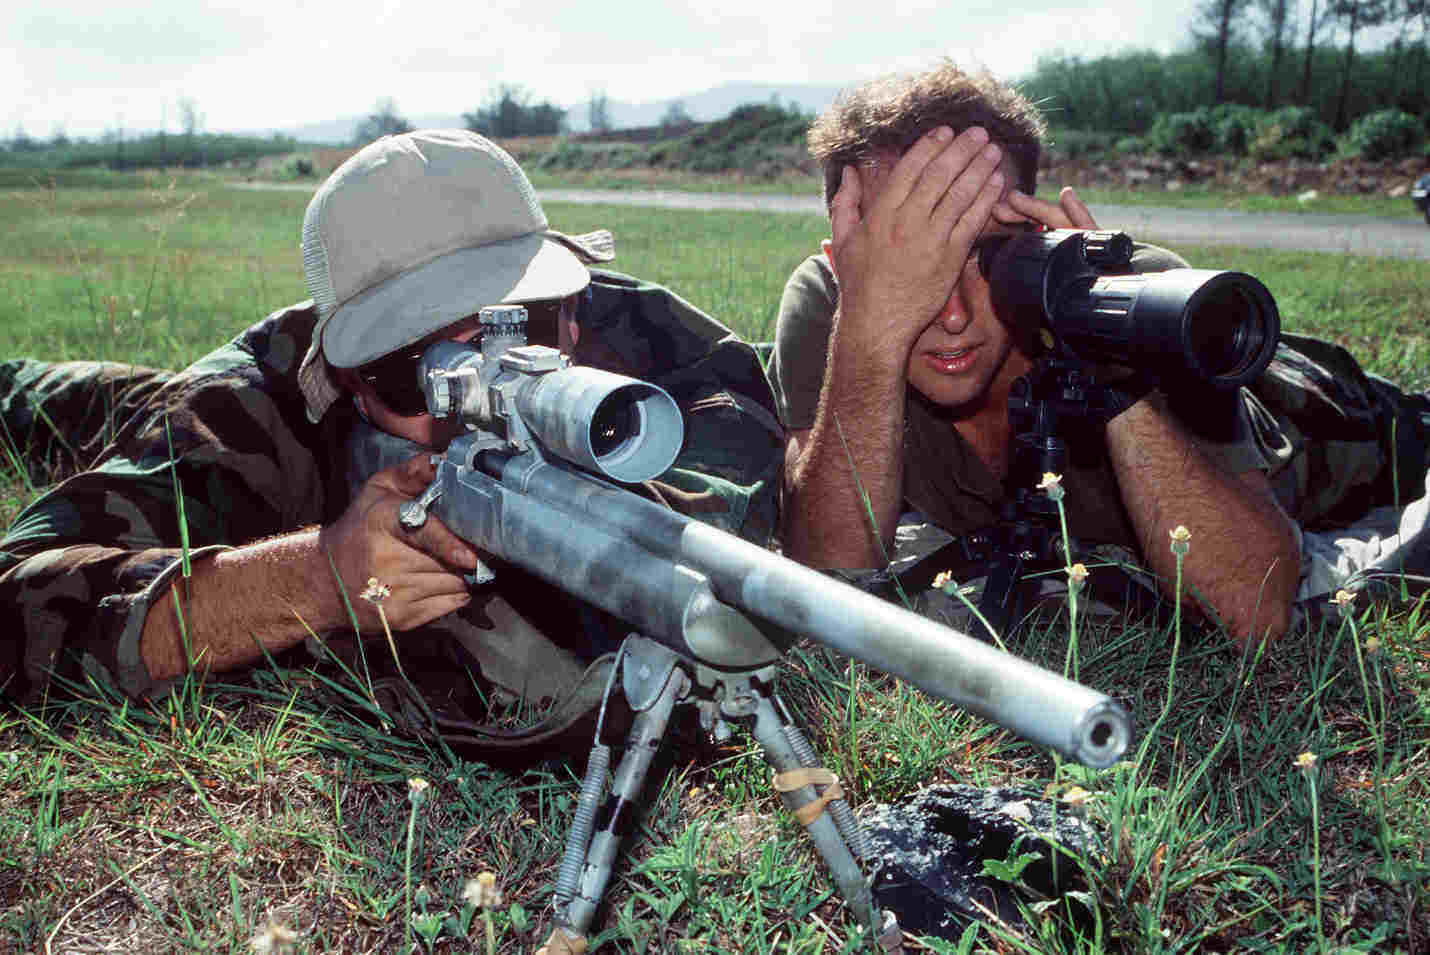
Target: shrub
[567,155]
[1234,127]
[1183,134]
[1386,134]
[300,167]
[1077,143]
[1291,131]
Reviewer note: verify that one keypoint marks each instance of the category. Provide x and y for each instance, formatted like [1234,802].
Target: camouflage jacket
[221,454]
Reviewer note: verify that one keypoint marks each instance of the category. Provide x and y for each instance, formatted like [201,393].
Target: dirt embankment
[1152,173]
[1284,177]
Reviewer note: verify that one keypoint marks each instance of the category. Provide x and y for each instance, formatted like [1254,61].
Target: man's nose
[954,315]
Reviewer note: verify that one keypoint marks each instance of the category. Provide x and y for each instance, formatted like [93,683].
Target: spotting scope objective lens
[1184,327]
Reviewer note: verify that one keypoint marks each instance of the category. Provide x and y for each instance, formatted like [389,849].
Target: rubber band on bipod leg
[563,943]
[793,779]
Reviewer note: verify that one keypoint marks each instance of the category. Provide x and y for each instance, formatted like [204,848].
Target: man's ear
[568,329]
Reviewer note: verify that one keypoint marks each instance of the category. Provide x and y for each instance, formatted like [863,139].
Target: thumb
[844,207]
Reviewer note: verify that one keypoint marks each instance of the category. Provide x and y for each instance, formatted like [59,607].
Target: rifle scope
[1194,326]
[622,428]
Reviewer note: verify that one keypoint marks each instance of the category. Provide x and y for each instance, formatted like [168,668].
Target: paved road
[1314,232]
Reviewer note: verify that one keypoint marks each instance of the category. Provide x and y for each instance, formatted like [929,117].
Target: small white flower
[376,591]
[1343,600]
[273,938]
[1018,810]
[482,892]
[1306,761]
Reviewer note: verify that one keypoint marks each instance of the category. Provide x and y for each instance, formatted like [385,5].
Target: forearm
[1243,559]
[240,603]
[855,445]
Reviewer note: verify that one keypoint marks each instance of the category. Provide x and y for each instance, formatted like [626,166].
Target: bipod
[655,680]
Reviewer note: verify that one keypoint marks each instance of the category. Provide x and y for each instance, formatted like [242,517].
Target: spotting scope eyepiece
[1190,326]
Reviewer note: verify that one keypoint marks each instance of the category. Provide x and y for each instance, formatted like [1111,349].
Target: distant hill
[709,105]
[705,106]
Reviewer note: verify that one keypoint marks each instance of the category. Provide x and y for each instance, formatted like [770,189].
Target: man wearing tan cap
[402,245]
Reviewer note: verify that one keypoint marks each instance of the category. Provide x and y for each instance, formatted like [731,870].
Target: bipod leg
[653,682]
[807,791]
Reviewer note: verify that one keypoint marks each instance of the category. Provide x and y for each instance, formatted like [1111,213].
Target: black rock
[929,851]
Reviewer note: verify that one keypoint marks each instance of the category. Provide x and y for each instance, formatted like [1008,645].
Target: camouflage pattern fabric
[90,398]
[228,436]
[1346,441]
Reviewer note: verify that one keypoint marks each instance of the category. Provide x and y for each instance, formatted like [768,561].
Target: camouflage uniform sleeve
[215,458]
[728,471]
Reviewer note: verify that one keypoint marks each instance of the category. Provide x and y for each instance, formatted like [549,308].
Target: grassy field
[256,804]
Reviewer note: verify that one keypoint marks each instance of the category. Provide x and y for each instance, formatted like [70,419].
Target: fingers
[419,598]
[965,208]
[1077,211]
[1069,212]
[438,542]
[954,179]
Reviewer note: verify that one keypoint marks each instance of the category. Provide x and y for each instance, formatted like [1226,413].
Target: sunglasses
[393,377]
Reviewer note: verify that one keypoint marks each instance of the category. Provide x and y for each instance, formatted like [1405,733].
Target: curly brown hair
[888,115]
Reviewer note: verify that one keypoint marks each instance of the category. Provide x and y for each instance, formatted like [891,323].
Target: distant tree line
[1259,77]
[1258,53]
[116,150]
[508,111]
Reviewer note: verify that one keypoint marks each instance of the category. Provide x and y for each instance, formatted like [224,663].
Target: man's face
[385,388]
[965,349]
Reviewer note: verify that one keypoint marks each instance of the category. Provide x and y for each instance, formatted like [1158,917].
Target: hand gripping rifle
[532,481]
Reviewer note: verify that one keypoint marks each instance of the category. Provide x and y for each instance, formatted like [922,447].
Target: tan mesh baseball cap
[417,231]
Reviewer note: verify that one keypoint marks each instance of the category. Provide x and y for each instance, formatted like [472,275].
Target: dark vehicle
[1420,195]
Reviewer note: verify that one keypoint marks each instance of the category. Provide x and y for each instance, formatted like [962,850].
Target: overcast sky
[85,66]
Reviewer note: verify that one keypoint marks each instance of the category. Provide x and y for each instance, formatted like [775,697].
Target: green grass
[1203,197]
[194,821]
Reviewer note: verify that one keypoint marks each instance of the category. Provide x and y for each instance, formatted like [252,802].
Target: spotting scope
[1183,327]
